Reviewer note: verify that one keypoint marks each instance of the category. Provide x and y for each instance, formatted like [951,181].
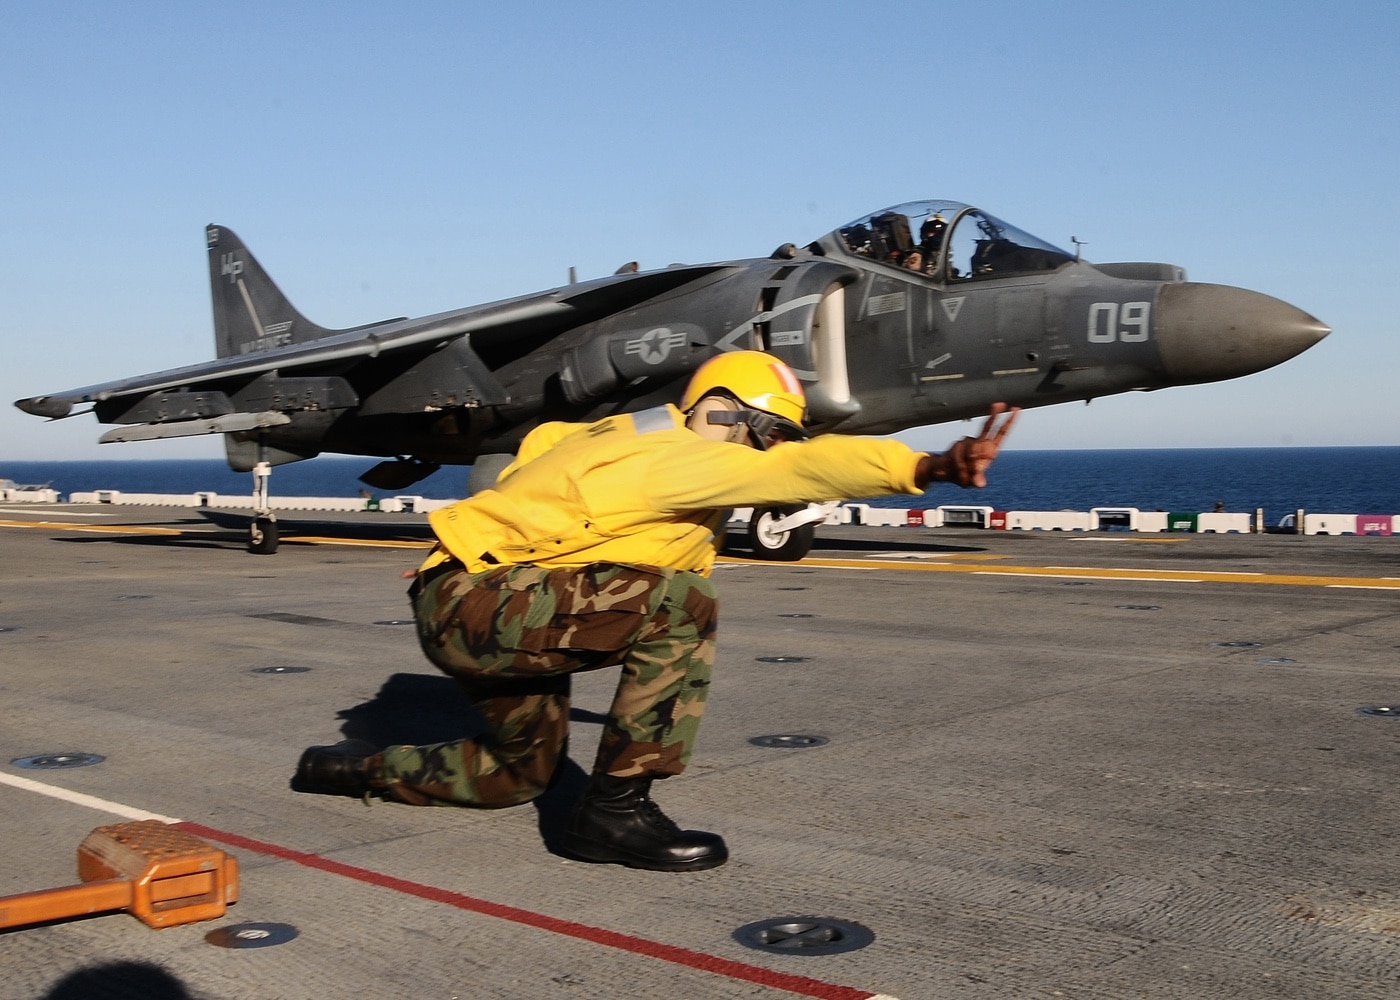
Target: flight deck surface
[1030,764]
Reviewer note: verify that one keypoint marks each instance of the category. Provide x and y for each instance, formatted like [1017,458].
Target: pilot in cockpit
[931,234]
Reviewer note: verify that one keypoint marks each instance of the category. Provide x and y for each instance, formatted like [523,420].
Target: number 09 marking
[1110,322]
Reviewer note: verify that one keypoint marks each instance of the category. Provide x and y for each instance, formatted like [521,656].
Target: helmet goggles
[763,427]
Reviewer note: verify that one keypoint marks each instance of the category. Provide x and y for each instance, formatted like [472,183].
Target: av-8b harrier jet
[917,314]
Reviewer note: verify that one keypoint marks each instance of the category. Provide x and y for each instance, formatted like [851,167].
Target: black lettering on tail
[250,312]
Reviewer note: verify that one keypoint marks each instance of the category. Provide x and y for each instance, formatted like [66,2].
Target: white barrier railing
[961,516]
[42,495]
[1096,519]
[388,505]
[1329,524]
[878,517]
[1103,518]
[1049,520]
[1222,523]
[1152,520]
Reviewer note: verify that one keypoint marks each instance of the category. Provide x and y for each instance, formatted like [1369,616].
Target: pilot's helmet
[757,380]
[933,227]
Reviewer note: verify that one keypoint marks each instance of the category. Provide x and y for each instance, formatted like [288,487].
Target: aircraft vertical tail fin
[250,312]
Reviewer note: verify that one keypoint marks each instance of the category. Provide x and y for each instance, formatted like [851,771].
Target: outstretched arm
[965,463]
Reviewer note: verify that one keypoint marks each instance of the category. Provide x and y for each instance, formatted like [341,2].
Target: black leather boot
[618,822]
[336,770]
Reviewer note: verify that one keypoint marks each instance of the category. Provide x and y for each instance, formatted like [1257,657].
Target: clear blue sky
[387,160]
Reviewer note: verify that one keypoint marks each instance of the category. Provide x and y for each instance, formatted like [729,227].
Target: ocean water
[1280,480]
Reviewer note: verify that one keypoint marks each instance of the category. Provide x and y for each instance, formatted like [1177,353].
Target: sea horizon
[1280,479]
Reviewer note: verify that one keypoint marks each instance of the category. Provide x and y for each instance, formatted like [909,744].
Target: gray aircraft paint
[993,315]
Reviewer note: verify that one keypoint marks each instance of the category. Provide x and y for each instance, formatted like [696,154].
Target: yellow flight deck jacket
[643,489]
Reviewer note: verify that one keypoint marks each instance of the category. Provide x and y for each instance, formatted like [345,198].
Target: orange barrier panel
[160,875]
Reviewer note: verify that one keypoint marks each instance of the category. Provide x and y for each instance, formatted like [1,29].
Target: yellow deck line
[917,556]
[110,529]
[152,529]
[373,543]
[920,565]
[1094,573]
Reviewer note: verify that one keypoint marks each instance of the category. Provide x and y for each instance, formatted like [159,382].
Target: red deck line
[801,985]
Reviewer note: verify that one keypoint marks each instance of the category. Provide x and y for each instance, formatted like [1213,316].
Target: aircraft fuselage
[918,314]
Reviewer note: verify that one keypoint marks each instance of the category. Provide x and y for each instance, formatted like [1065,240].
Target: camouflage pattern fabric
[511,637]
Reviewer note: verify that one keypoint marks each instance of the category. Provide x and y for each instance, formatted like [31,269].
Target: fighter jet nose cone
[1210,332]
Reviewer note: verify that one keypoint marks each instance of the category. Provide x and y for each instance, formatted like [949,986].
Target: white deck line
[81,799]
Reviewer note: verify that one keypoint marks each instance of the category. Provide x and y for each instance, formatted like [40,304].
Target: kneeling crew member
[594,550]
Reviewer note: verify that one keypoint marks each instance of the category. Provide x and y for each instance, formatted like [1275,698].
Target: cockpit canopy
[948,241]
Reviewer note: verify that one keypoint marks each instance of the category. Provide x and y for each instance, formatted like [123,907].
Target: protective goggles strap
[760,424]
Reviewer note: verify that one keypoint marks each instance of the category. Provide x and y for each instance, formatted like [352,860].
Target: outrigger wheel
[262,536]
[262,531]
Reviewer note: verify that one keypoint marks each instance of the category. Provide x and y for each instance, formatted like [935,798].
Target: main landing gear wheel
[262,536]
[779,546]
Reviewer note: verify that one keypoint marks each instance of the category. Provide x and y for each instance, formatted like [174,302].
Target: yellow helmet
[755,379]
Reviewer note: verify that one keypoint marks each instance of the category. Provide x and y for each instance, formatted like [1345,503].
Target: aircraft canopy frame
[948,241]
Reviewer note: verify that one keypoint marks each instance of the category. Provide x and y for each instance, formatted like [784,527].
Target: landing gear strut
[262,532]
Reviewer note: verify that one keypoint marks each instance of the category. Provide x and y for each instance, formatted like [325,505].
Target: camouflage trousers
[511,637]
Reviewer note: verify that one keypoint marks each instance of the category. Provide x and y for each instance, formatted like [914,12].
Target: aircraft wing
[491,324]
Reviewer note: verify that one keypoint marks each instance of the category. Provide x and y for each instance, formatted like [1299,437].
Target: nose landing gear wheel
[779,546]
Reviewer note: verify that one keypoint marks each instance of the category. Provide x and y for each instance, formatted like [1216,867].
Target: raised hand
[965,462]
